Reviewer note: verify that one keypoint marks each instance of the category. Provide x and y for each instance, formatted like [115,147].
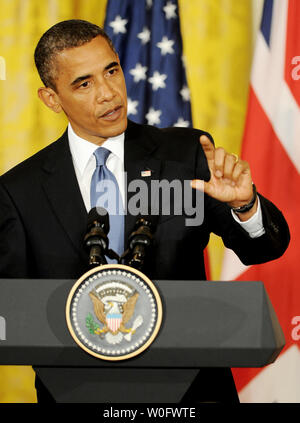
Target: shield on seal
[113,321]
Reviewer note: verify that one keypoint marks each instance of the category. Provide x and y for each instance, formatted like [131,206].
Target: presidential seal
[114,312]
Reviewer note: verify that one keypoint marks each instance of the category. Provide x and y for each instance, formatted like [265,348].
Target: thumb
[199,184]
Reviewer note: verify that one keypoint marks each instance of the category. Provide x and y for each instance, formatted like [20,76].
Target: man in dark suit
[44,201]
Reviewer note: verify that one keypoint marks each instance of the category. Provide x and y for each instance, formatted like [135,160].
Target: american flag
[146,35]
[271,145]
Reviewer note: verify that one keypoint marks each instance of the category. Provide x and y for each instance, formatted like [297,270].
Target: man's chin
[110,132]
[114,130]
[100,133]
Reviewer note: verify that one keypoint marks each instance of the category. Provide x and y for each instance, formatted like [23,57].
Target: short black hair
[63,35]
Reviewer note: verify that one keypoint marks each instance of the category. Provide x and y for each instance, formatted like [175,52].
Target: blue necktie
[105,193]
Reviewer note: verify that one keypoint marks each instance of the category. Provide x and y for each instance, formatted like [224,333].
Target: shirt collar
[82,150]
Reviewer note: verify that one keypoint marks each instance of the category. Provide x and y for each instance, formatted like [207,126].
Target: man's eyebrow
[79,79]
[111,65]
[84,77]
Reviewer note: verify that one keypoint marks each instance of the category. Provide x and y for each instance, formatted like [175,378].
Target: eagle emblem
[114,305]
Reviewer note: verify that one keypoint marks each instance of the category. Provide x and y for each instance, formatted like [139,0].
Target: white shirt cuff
[254,225]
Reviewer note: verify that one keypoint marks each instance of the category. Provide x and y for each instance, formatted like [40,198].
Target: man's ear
[50,98]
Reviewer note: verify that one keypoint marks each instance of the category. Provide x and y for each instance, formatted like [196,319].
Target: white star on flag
[139,72]
[153,116]
[165,46]
[132,106]
[144,36]
[118,25]
[185,93]
[182,123]
[169,10]
[157,80]
[149,4]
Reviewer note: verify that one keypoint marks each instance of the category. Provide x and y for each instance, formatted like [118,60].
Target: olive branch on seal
[90,323]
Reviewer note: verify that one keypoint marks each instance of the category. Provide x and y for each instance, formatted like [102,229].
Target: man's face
[91,90]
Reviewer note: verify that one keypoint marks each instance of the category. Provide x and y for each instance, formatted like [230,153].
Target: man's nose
[105,92]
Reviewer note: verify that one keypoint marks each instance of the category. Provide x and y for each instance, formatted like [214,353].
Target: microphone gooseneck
[96,240]
[139,241]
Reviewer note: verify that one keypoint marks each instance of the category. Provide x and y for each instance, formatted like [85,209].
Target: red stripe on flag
[292,56]
[275,177]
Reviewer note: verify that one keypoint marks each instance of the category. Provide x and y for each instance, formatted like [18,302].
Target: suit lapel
[139,157]
[63,192]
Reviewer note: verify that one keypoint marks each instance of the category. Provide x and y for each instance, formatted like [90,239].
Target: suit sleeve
[269,246]
[13,250]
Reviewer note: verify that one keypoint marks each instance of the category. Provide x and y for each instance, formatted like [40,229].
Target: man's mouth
[112,114]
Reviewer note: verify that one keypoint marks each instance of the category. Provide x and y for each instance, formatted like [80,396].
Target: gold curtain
[217,45]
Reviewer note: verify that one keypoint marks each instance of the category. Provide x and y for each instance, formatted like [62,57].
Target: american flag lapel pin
[145,173]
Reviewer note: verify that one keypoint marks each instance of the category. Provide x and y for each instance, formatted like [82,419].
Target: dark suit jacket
[43,217]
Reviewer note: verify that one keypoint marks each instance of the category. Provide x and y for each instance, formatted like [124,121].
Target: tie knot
[101,155]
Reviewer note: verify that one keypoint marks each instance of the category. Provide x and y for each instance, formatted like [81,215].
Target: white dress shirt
[85,164]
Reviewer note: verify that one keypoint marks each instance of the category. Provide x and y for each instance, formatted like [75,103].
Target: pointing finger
[208,148]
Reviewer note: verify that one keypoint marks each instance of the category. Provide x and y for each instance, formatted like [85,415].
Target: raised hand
[230,180]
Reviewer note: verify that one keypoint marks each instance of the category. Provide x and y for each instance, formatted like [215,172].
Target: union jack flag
[271,145]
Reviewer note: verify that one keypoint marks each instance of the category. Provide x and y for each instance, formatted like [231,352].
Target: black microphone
[96,240]
[140,240]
